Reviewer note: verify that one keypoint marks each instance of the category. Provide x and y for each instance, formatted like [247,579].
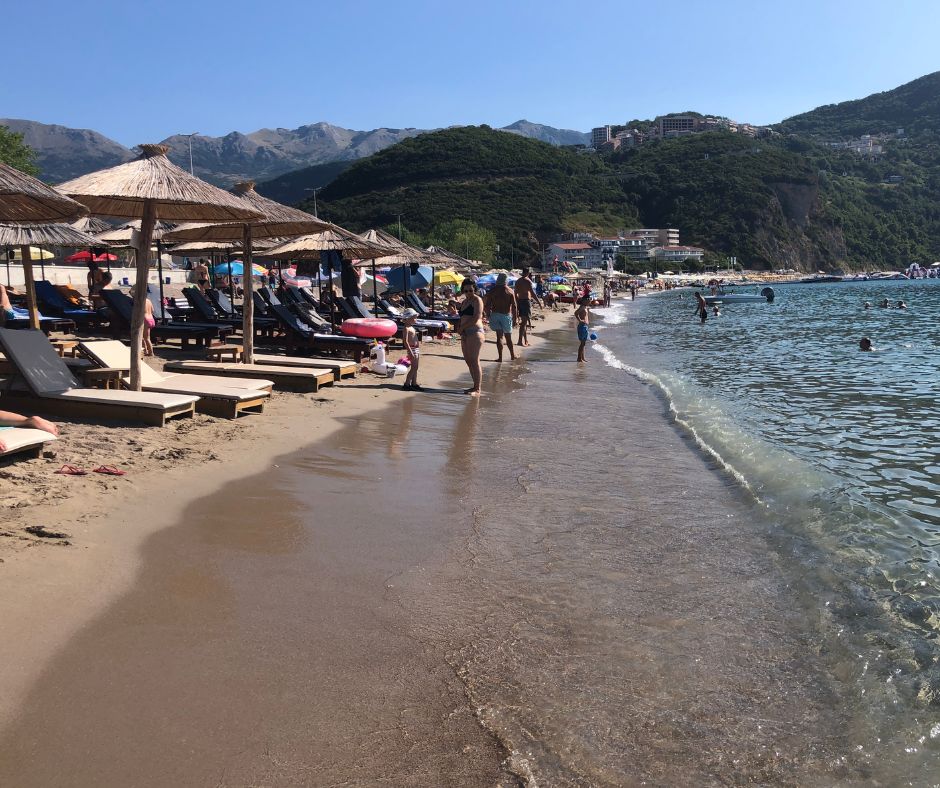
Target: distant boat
[818,279]
[766,295]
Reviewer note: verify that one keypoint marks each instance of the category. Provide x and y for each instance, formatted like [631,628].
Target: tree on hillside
[465,238]
[16,153]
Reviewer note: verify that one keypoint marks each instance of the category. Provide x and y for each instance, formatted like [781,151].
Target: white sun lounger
[24,440]
[216,396]
[285,378]
[52,387]
[341,368]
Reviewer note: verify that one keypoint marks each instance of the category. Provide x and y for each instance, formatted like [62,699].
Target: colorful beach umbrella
[84,256]
[448,277]
[35,253]
[237,268]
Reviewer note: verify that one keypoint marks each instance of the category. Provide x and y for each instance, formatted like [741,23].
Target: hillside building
[600,136]
[671,255]
[582,254]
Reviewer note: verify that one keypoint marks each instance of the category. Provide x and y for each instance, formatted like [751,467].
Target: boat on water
[722,297]
[818,279]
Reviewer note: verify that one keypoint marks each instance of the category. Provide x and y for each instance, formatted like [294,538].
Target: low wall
[77,275]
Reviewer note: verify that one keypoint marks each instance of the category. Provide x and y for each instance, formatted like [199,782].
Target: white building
[583,255]
[600,136]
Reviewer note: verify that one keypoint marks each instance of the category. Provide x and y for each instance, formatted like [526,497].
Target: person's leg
[148,346]
[474,344]
[499,345]
[414,371]
[512,350]
[581,351]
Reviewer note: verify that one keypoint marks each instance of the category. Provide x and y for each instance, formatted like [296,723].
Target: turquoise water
[840,449]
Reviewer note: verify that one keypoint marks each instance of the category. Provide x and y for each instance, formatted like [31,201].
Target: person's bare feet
[472,392]
[39,423]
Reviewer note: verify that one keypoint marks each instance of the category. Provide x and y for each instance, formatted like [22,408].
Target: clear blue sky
[140,72]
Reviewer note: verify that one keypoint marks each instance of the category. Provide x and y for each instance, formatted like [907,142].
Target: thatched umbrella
[335,239]
[91,225]
[276,220]
[24,198]
[151,188]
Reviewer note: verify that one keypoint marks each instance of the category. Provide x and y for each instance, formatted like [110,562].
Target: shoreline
[50,589]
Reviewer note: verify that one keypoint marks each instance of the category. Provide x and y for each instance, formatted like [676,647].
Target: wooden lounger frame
[95,410]
[302,384]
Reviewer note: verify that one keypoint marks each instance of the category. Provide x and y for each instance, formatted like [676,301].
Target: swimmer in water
[865,344]
[716,312]
[884,304]
[868,305]
[902,305]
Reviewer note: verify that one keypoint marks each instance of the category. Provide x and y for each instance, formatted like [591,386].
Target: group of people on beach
[504,308]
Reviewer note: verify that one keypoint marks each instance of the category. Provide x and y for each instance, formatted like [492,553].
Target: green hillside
[784,201]
[519,188]
[293,187]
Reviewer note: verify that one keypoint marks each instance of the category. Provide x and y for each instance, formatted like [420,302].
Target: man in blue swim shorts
[501,310]
[583,316]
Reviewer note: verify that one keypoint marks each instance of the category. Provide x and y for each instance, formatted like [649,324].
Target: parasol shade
[24,198]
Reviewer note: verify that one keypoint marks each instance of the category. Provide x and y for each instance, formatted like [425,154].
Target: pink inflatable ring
[369,328]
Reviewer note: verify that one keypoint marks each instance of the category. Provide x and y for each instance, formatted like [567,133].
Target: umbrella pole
[231,282]
[248,316]
[147,222]
[160,273]
[332,299]
[30,288]
[375,291]
[42,265]
[8,266]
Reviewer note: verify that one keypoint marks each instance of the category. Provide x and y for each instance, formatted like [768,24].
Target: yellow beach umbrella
[35,253]
[447,277]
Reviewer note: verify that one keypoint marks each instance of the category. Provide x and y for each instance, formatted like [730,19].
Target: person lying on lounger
[8,419]
[6,308]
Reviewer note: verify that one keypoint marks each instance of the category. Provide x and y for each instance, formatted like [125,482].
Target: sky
[140,73]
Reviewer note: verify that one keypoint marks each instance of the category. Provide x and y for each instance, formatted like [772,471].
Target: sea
[839,451]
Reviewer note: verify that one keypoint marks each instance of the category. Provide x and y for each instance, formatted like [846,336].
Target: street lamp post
[314,190]
[190,150]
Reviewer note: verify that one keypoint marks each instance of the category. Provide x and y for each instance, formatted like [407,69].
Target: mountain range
[63,153]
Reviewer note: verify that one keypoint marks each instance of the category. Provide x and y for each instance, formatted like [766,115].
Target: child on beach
[149,321]
[414,352]
[583,316]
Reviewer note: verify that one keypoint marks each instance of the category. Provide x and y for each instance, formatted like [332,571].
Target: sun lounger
[299,336]
[218,396]
[23,440]
[285,378]
[121,307]
[52,387]
[340,369]
[52,299]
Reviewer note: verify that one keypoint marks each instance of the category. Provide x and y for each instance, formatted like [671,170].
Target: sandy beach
[52,586]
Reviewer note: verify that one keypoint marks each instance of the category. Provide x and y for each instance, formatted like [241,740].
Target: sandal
[72,470]
[110,470]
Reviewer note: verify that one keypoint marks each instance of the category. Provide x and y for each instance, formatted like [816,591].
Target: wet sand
[436,586]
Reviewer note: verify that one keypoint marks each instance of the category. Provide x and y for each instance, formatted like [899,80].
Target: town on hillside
[657,249]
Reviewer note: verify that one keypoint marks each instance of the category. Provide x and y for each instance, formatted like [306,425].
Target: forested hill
[780,202]
[507,183]
[914,107]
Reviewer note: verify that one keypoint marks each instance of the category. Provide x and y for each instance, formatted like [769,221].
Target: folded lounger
[121,307]
[340,369]
[432,326]
[303,379]
[23,440]
[218,396]
[53,387]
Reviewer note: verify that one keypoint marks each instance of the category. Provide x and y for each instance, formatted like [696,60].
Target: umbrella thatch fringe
[24,198]
[334,239]
[43,235]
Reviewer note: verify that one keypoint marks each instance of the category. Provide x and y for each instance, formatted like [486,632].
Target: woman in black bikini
[471,333]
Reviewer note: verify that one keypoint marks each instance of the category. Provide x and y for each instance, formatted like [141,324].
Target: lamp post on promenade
[190,150]
[314,190]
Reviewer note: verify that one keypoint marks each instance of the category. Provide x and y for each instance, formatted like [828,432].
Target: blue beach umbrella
[557,278]
[401,279]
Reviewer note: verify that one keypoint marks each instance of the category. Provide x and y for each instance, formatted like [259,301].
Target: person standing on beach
[583,316]
[410,338]
[471,333]
[94,279]
[608,291]
[525,292]
[501,310]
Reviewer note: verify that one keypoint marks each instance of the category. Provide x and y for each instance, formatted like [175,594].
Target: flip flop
[110,470]
[72,470]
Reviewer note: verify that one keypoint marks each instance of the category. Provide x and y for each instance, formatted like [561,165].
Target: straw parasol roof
[122,235]
[91,225]
[177,195]
[24,198]
[334,239]
[449,258]
[43,235]
[404,254]
[275,220]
